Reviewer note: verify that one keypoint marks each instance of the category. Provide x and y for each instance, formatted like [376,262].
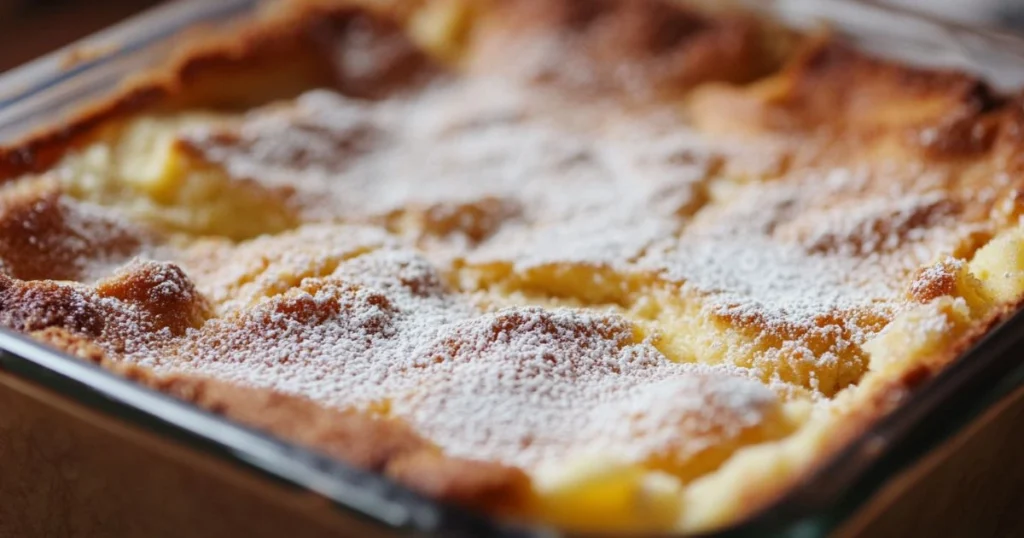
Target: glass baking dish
[49,89]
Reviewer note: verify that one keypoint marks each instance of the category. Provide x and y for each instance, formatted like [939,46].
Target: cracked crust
[814,102]
[375,444]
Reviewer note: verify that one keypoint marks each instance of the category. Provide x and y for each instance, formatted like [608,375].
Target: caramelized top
[521,233]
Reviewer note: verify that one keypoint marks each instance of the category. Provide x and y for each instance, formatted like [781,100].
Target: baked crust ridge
[545,259]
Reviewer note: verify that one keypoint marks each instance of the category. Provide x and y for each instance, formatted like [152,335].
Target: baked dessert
[620,265]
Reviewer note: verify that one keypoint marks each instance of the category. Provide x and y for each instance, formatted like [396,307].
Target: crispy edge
[279,37]
[375,444]
[891,394]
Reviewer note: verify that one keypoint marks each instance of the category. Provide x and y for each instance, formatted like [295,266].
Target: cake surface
[600,264]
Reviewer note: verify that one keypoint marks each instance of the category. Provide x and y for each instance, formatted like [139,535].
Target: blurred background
[983,11]
[30,28]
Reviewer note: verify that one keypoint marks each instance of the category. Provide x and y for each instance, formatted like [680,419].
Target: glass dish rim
[971,384]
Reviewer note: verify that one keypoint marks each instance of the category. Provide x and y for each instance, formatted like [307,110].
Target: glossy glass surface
[44,91]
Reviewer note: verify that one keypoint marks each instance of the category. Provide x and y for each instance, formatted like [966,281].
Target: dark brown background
[31,28]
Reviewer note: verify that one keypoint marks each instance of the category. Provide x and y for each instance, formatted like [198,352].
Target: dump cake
[601,264]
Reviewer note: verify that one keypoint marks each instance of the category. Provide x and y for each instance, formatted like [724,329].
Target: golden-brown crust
[229,68]
[885,397]
[43,235]
[642,48]
[42,304]
[160,289]
[42,149]
[843,101]
[292,46]
[833,84]
[889,395]
[846,103]
[500,489]
[372,443]
[66,341]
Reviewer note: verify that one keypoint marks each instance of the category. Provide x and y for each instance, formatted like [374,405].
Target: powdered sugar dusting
[355,307]
[524,385]
[823,244]
[486,171]
[535,167]
[234,278]
[45,234]
[491,172]
[533,387]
